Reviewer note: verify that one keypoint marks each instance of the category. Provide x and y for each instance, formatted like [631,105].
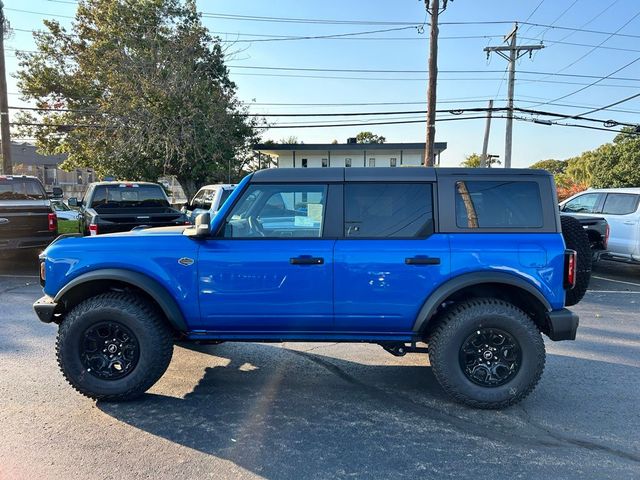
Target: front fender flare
[145,283]
[448,288]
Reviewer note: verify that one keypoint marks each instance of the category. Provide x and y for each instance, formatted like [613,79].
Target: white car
[63,211]
[621,208]
[208,199]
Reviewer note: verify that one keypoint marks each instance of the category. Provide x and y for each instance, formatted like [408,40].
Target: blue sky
[407,49]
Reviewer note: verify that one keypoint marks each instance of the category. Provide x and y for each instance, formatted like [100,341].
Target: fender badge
[186,261]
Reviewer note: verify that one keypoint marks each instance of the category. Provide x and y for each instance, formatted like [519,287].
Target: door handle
[422,261]
[305,260]
[629,222]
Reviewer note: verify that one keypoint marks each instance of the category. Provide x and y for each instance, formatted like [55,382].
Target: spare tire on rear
[577,239]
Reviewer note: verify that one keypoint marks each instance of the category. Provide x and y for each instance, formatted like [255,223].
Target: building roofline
[438,146]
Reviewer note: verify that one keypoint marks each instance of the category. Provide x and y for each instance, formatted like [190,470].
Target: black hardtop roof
[398,174]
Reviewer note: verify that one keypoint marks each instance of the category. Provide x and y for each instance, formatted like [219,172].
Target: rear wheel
[113,346]
[487,353]
[577,239]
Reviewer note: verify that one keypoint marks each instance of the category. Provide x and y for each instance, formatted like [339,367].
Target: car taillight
[93,229]
[606,237]
[53,222]
[570,265]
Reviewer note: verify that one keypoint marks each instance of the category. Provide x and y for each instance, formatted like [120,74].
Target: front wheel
[487,353]
[113,346]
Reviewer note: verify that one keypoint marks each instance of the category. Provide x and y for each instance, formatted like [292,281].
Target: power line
[598,46]
[361,22]
[591,84]
[602,12]
[606,107]
[422,120]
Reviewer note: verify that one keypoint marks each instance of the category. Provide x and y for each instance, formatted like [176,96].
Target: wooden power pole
[514,51]
[5,134]
[487,129]
[434,10]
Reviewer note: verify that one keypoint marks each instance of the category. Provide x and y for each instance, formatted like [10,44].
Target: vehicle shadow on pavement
[292,414]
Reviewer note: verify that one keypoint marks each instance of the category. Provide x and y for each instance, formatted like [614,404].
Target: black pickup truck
[109,207]
[597,230]
[26,218]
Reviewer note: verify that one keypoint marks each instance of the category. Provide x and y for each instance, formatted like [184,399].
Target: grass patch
[67,226]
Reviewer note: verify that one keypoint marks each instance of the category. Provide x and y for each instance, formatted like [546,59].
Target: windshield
[128,195]
[59,206]
[20,189]
[224,195]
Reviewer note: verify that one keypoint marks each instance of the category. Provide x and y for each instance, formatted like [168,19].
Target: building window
[347,162]
[325,162]
[372,162]
[392,162]
[304,163]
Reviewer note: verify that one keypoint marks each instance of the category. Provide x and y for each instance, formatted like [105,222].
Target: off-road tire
[461,320]
[577,239]
[153,335]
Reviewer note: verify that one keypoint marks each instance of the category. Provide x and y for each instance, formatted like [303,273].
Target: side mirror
[57,192]
[73,202]
[201,228]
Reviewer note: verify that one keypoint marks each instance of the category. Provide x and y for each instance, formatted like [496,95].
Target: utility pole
[5,134]
[487,129]
[434,10]
[515,51]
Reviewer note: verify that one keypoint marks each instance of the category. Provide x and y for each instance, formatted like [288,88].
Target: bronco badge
[186,261]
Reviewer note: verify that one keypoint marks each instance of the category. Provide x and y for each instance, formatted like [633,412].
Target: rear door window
[587,203]
[391,210]
[620,203]
[498,204]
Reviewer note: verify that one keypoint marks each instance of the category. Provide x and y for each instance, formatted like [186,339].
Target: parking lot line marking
[617,281]
[611,291]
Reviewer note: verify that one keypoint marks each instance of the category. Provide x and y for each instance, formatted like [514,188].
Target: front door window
[278,211]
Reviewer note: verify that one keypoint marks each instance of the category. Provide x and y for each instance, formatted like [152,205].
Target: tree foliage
[551,165]
[141,91]
[473,161]
[369,137]
[618,164]
[610,165]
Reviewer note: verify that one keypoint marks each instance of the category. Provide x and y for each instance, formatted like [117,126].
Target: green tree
[289,140]
[137,89]
[473,161]
[368,137]
[618,164]
[554,166]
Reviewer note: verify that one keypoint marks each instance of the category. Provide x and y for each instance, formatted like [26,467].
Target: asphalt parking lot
[324,410]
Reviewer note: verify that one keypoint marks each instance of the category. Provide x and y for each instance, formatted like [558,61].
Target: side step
[401,349]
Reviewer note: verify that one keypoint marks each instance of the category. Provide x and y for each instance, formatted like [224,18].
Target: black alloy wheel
[490,357]
[109,350]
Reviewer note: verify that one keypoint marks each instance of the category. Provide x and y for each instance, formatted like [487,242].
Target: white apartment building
[350,154]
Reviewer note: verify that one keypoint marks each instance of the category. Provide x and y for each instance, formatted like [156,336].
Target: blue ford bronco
[471,262]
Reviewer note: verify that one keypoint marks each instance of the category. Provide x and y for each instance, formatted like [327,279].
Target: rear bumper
[45,307]
[563,324]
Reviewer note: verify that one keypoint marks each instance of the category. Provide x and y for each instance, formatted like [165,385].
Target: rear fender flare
[450,287]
